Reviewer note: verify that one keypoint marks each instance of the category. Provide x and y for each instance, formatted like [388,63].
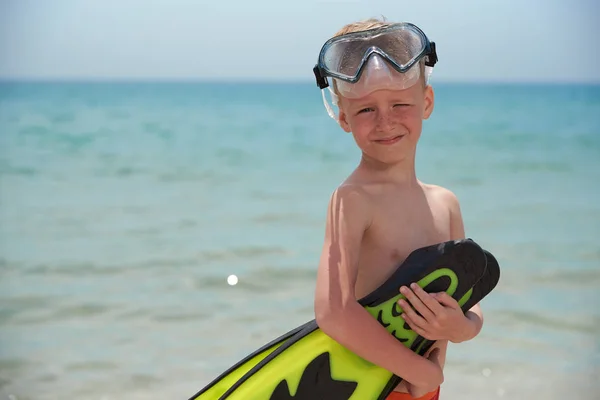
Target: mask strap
[327,106]
[428,72]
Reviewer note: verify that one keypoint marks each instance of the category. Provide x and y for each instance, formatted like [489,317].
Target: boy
[382,212]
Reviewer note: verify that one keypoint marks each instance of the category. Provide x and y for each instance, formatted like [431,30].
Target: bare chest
[394,234]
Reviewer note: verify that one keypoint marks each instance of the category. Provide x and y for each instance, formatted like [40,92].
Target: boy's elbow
[329,316]
[324,313]
[328,322]
[323,319]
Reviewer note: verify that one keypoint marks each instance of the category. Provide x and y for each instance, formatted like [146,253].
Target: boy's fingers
[426,298]
[447,300]
[417,304]
[411,316]
[416,329]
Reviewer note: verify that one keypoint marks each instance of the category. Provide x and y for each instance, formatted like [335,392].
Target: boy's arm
[457,231]
[438,316]
[338,313]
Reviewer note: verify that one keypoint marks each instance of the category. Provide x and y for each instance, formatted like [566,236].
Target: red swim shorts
[435,395]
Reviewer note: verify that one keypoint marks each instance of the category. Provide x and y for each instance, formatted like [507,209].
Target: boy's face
[386,124]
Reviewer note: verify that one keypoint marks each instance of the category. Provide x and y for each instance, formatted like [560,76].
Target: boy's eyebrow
[400,98]
[361,104]
[403,100]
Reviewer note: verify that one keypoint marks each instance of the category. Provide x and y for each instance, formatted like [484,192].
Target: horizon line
[264,80]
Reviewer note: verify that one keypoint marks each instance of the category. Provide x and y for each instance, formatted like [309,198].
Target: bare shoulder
[351,203]
[447,199]
[444,195]
[348,217]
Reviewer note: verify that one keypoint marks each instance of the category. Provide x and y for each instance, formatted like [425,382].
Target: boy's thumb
[433,356]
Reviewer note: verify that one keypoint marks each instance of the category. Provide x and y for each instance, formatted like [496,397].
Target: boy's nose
[384,121]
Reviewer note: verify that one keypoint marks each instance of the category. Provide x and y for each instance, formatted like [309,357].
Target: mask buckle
[321,80]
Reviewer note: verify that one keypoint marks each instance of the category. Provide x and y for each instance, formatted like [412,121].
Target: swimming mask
[382,58]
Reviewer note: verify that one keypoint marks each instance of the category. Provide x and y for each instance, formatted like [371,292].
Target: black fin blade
[316,383]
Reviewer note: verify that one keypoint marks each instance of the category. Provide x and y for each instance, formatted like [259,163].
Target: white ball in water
[232,280]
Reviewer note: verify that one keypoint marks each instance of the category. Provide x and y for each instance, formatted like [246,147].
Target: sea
[125,207]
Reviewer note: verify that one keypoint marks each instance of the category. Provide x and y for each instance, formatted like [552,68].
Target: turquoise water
[125,206]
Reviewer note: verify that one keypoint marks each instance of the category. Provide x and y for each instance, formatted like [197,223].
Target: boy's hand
[441,317]
[418,391]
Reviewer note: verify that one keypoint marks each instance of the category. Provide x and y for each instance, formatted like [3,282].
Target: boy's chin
[387,158]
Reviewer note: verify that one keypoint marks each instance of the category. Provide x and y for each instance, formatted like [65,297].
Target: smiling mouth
[390,140]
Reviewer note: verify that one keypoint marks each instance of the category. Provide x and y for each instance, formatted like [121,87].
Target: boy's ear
[428,102]
[343,121]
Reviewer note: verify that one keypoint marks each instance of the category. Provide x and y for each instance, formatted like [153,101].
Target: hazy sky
[489,40]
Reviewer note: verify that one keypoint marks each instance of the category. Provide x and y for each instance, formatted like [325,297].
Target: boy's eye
[365,110]
[401,105]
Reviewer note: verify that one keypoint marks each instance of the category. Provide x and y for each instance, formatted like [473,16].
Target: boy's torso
[404,219]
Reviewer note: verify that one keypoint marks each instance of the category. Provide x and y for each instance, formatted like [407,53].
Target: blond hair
[364,25]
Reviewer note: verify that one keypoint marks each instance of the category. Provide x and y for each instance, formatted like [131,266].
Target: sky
[476,40]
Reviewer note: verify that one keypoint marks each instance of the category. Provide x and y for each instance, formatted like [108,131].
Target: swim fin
[306,364]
